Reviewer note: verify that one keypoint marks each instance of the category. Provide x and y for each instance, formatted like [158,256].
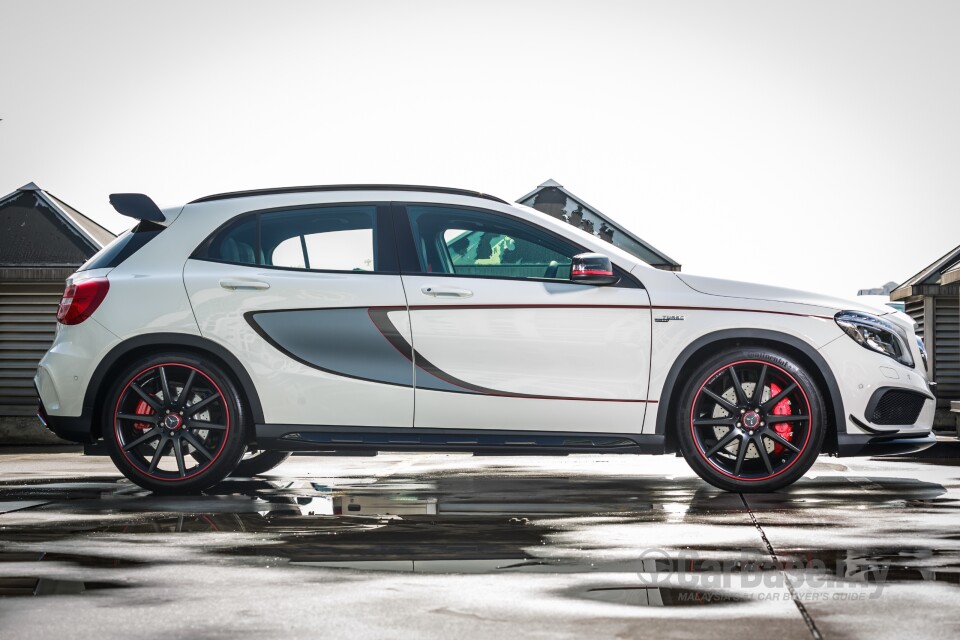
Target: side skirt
[367,440]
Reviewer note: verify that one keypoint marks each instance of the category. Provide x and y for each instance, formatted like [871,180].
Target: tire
[253,463]
[174,423]
[739,442]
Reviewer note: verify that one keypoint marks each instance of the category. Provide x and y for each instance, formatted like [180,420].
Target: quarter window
[475,243]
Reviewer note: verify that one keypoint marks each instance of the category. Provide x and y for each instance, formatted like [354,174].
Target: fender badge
[667,318]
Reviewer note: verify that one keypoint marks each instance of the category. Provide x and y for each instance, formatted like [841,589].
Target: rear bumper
[74,429]
[891,445]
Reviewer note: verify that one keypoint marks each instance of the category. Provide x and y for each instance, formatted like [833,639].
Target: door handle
[446,292]
[246,285]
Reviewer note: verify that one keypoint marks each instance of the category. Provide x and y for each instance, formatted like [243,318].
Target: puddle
[855,565]
[78,560]
[473,523]
[660,596]
[367,543]
[882,565]
[17,586]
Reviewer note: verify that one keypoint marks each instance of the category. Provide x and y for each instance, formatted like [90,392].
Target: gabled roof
[951,275]
[551,198]
[942,272]
[39,229]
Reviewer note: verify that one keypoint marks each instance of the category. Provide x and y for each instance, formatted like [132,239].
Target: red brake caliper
[782,428]
[143,409]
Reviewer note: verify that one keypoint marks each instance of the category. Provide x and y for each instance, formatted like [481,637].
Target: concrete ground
[484,547]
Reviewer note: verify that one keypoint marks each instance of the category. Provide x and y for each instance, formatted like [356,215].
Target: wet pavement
[462,546]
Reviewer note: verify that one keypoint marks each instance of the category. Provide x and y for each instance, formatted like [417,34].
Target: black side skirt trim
[340,439]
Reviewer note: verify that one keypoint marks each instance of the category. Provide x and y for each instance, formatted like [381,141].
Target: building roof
[951,275]
[885,290]
[37,229]
[942,272]
[551,198]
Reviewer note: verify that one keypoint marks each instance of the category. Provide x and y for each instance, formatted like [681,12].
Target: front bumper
[889,408]
[892,445]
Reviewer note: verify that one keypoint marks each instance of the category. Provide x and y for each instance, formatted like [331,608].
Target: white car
[218,337]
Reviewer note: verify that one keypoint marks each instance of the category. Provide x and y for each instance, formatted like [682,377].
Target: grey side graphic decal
[356,343]
[364,344]
[425,378]
[430,376]
[340,341]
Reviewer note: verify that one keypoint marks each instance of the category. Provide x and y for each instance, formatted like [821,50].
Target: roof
[951,275]
[553,199]
[96,231]
[942,272]
[346,187]
[37,229]
[878,291]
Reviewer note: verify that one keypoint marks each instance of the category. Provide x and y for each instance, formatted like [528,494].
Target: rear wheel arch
[707,346]
[137,347]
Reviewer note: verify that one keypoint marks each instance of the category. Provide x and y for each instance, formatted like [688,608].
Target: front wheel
[174,423]
[751,420]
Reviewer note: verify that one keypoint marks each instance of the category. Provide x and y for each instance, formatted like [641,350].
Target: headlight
[876,334]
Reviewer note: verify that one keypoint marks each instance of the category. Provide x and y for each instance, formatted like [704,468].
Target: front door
[298,295]
[503,340]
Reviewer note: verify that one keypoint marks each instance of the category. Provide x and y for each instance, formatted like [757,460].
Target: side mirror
[592,268]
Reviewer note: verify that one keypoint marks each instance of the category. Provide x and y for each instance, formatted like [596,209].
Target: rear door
[503,340]
[297,295]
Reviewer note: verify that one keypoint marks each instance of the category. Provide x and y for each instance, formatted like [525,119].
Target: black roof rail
[346,187]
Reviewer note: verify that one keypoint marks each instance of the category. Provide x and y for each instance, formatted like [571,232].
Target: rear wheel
[255,462]
[751,420]
[174,423]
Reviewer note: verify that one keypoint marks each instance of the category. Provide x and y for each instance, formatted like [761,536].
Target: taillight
[81,300]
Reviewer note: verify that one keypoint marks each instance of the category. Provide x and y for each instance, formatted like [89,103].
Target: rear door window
[324,238]
[328,239]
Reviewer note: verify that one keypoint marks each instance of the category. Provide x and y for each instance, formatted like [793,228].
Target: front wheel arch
[705,347]
[137,347]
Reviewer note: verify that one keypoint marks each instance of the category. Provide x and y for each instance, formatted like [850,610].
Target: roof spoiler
[137,206]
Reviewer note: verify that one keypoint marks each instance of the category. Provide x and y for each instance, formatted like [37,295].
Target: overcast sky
[814,145]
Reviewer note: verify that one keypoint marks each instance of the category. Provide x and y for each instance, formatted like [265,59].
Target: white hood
[750,291]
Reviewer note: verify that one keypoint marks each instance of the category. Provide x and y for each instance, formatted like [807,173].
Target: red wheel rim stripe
[796,456]
[223,440]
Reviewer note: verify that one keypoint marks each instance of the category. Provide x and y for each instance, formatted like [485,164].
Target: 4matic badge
[667,318]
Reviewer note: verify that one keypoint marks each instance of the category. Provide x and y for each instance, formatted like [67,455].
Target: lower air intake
[895,406]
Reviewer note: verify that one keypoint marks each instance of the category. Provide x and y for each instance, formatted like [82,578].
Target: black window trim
[409,257]
[384,245]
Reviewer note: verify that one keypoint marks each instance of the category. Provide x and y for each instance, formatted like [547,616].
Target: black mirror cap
[593,268]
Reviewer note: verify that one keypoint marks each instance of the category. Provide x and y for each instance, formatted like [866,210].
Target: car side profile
[219,337]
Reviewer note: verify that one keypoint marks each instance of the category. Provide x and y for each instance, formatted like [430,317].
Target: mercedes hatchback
[219,337]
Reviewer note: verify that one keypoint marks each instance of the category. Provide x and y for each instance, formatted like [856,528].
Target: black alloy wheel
[751,420]
[175,424]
